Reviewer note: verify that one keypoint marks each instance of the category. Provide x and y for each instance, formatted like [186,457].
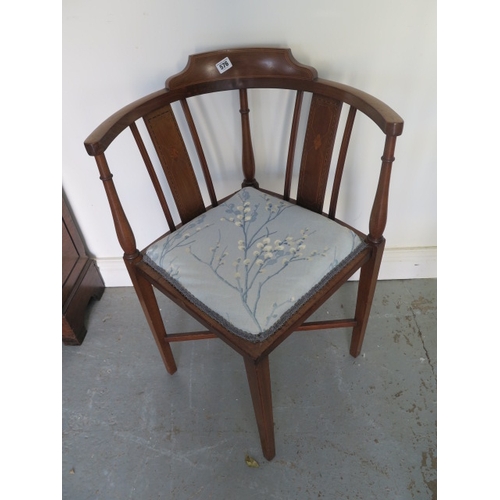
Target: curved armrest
[98,141]
[383,115]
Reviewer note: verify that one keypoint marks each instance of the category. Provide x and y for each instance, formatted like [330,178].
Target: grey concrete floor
[346,428]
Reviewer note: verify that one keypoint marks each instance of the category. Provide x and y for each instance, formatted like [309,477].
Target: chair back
[311,130]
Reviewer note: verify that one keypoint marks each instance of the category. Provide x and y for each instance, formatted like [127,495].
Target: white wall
[115,51]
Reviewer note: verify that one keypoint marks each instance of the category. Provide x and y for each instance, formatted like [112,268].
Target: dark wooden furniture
[81,281]
[244,71]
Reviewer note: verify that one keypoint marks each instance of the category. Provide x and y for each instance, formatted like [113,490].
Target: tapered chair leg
[149,304]
[366,291]
[259,381]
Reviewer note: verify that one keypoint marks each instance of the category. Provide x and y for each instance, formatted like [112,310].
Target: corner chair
[251,265]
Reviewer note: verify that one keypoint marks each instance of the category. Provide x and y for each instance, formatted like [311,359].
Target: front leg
[259,381]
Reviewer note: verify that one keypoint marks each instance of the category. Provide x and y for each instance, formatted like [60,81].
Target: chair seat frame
[253,69]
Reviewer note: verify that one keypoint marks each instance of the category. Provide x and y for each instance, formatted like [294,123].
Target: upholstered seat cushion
[252,261]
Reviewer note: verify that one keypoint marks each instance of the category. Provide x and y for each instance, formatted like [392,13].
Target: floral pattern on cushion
[252,261]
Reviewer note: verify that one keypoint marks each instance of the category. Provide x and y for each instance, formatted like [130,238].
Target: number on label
[224,65]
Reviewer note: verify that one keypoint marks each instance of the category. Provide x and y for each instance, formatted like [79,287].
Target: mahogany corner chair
[252,266]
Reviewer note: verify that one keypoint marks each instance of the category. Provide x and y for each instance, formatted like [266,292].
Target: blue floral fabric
[252,261]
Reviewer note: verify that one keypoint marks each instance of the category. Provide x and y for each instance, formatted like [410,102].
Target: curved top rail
[240,63]
[251,68]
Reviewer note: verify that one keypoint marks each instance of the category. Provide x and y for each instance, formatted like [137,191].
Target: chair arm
[99,140]
[383,115]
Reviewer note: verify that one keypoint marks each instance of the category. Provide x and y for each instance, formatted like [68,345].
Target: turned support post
[378,217]
[248,161]
[122,226]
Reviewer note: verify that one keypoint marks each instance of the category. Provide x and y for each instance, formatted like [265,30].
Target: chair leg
[260,388]
[366,291]
[149,304]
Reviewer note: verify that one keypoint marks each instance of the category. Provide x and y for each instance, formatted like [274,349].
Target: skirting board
[397,264]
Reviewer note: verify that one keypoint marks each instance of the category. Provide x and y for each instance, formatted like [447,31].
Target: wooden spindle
[248,161]
[201,154]
[292,145]
[122,226]
[152,175]
[378,217]
[341,162]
